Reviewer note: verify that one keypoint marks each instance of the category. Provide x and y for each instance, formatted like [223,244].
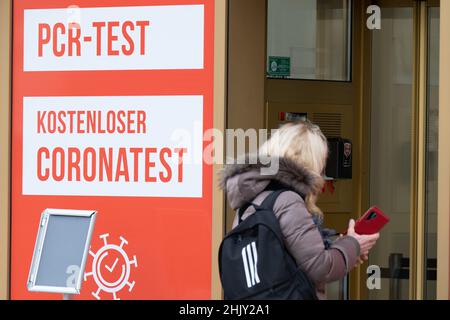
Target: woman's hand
[361,260]
[366,242]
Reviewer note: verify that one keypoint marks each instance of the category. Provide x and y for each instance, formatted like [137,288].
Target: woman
[301,150]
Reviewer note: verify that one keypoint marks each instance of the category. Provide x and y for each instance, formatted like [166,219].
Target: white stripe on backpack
[250,261]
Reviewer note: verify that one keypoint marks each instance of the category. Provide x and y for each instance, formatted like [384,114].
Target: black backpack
[254,263]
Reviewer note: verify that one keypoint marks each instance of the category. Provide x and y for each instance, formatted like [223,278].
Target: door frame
[219,118]
[443,232]
[5,143]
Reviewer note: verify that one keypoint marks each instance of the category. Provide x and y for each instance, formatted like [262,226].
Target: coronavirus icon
[111,268]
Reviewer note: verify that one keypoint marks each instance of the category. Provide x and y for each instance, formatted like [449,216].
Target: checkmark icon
[110,269]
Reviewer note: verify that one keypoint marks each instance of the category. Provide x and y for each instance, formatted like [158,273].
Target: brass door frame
[363,119]
[418,152]
[218,201]
[418,192]
[418,198]
[5,144]
[443,232]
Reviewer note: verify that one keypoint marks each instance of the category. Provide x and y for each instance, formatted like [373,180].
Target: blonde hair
[304,143]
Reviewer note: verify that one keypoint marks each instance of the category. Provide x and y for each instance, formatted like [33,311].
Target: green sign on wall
[279,66]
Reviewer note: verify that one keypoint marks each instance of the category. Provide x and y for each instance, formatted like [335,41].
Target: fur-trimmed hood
[243,182]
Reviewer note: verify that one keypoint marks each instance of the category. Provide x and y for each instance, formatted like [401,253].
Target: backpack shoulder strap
[242,209]
[269,201]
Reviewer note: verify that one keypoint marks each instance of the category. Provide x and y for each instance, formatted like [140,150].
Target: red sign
[110,103]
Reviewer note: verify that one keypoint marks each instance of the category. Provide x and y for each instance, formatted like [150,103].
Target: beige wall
[5,87]
[246,67]
[220,45]
[443,279]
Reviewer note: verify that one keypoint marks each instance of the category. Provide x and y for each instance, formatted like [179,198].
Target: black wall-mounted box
[339,163]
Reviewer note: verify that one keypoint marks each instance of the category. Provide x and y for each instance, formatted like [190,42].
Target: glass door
[403,147]
[391,140]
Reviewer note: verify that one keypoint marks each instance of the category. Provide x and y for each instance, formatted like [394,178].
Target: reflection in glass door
[390,159]
[431,161]
[404,147]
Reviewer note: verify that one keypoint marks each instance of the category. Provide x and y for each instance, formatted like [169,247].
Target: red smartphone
[371,222]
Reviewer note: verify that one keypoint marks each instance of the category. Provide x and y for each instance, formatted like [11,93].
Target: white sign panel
[114,38]
[113,146]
